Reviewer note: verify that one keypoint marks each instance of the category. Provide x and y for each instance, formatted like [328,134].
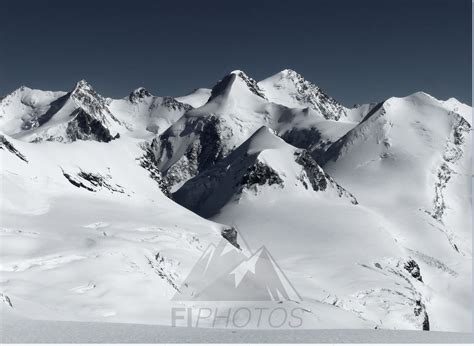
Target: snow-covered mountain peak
[138,94]
[237,84]
[17,91]
[457,106]
[82,86]
[279,171]
[418,97]
[86,97]
[197,98]
[263,139]
[262,164]
[290,89]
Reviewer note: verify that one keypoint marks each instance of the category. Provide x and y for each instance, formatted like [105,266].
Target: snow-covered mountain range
[108,204]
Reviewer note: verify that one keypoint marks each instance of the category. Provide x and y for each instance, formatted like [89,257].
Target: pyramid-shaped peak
[264,138]
[84,92]
[82,84]
[237,81]
[286,74]
[291,89]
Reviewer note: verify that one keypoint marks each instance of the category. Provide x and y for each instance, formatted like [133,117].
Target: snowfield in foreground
[20,330]
[243,195]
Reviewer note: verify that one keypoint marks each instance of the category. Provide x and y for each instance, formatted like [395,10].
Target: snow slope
[290,89]
[110,246]
[79,114]
[145,115]
[197,98]
[264,159]
[410,161]
[21,330]
[88,234]
[365,212]
[35,115]
[273,193]
[236,109]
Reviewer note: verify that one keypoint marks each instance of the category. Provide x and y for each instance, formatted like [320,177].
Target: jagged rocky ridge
[453,152]
[318,178]
[204,147]
[5,144]
[138,94]
[309,186]
[93,181]
[236,109]
[147,161]
[249,168]
[302,93]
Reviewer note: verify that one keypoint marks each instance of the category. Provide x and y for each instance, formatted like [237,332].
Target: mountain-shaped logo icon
[225,273]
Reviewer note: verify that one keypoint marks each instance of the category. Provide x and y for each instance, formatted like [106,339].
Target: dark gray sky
[358,51]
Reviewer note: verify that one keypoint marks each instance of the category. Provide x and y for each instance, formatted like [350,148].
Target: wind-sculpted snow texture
[110,203]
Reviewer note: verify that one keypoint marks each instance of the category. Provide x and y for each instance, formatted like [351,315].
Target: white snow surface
[366,210]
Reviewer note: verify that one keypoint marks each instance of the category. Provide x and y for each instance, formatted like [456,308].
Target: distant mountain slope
[264,161]
[79,114]
[364,211]
[146,115]
[197,98]
[83,114]
[89,221]
[417,141]
[236,109]
[290,89]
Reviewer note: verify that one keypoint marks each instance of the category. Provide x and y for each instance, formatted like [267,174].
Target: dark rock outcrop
[138,94]
[5,144]
[230,234]
[92,181]
[260,174]
[412,267]
[148,162]
[86,127]
[319,179]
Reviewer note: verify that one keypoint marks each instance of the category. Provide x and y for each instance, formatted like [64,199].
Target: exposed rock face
[205,150]
[90,117]
[85,127]
[223,84]
[314,97]
[148,162]
[454,151]
[172,103]
[165,268]
[420,310]
[319,179]
[5,144]
[305,138]
[412,267]
[138,94]
[92,181]
[6,299]
[315,174]
[260,174]
[85,97]
[230,235]
[252,85]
